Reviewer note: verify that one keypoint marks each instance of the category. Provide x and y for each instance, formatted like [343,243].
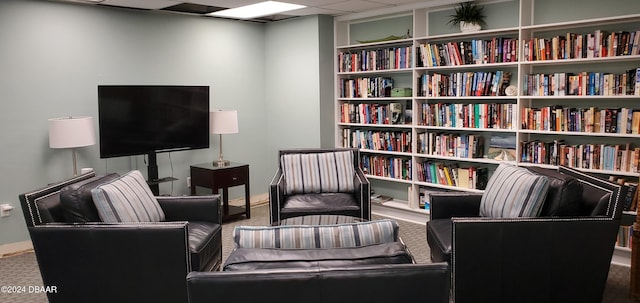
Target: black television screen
[145,119]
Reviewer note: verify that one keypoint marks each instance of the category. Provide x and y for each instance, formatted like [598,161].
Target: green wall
[54,54]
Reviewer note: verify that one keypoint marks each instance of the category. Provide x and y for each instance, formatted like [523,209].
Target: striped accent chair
[534,235]
[319,182]
[106,238]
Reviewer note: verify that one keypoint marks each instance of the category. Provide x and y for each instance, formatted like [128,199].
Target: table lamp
[71,132]
[223,122]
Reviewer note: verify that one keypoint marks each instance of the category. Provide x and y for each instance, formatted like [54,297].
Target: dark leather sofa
[562,256]
[91,261]
[281,269]
[361,283]
[283,205]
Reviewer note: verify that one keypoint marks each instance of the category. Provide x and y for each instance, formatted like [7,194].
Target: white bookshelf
[523,20]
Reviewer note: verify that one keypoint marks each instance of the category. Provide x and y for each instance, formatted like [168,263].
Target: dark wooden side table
[215,177]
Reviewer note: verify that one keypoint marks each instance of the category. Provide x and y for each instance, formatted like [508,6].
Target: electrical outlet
[5,210]
[189,182]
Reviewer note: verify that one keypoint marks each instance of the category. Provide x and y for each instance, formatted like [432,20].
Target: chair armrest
[448,205]
[276,196]
[118,262]
[363,193]
[536,248]
[192,208]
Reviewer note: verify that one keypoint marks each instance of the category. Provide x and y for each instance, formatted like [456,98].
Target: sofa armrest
[363,193]
[113,262]
[192,208]
[574,253]
[276,196]
[448,205]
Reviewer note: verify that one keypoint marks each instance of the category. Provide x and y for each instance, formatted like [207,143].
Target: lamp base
[221,163]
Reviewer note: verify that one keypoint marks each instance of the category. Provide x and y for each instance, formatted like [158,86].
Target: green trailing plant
[468,12]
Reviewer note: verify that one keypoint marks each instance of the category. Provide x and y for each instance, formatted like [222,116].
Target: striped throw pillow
[320,236]
[318,172]
[127,199]
[513,192]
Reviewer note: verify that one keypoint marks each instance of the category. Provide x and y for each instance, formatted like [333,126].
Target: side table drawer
[231,177]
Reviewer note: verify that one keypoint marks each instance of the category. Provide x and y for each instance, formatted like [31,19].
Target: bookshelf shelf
[460,159]
[467,67]
[446,187]
[582,61]
[525,22]
[584,134]
[591,22]
[471,35]
[363,125]
[377,72]
[389,43]
[464,129]
[374,99]
[388,179]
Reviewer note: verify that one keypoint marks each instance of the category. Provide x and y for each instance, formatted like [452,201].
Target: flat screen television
[148,119]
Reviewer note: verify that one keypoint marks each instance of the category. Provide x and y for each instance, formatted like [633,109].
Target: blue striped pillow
[320,236]
[513,192]
[127,199]
[318,172]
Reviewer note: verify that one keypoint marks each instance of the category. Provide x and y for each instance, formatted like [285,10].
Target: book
[463,177]
[636,87]
[631,195]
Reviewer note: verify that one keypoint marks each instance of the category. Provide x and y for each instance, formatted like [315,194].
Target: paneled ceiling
[314,7]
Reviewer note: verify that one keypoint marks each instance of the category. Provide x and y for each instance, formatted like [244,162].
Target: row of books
[610,157]
[375,113]
[366,87]
[425,195]
[495,50]
[451,145]
[452,175]
[385,166]
[499,49]
[464,84]
[396,141]
[583,84]
[590,45]
[630,202]
[589,120]
[375,59]
[476,115]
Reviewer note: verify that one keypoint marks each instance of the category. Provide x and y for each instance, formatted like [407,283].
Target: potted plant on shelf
[469,16]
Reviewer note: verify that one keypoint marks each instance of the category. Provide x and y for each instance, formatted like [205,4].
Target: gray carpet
[22,269]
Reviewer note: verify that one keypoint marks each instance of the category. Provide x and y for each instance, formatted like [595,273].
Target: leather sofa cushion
[316,236]
[439,233]
[77,202]
[205,242]
[312,204]
[564,195]
[248,259]
[318,172]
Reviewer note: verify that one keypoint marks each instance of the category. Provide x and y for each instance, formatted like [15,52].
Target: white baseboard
[13,248]
[256,200]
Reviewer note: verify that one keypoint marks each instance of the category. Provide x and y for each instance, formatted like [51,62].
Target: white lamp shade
[224,122]
[70,132]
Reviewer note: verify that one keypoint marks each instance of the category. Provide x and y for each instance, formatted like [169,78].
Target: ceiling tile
[398,2]
[355,6]
[316,11]
[314,2]
[224,3]
[143,4]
